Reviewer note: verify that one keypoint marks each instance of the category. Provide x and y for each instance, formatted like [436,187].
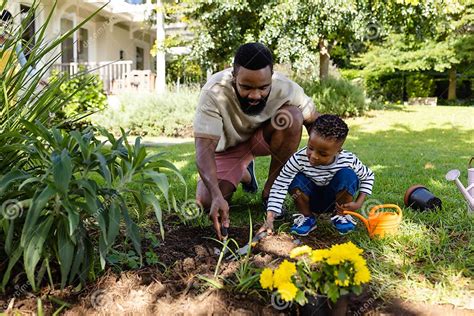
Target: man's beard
[249,109]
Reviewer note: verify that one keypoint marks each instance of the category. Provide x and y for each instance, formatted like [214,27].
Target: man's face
[253,88]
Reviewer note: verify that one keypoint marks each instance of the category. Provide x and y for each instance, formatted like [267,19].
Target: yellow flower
[362,275]
[266,279]
[319,255]
[344,252]
[342,283]
[287,291]
[300,251]
[284,273]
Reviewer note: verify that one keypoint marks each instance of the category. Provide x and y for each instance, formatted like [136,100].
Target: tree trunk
[160,84]
[323,59]
[452,84]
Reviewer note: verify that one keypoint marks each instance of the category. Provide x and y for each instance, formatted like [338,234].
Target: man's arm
[206,165]
[308,122]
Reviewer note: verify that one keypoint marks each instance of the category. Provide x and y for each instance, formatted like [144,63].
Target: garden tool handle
[469,165]
[382,206]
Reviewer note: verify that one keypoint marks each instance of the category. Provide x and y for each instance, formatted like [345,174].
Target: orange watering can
[381,223]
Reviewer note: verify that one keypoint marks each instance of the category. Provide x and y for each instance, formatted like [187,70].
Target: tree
[221,27]
[444,42]
[296,30]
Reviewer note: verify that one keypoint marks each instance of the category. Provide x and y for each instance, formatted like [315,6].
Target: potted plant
[319,279]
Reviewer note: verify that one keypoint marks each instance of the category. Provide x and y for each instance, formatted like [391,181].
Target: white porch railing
[109,71]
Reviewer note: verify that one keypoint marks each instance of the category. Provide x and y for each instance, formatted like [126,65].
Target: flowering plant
[336,271]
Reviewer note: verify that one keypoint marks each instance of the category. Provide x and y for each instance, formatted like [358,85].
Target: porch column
[160,83]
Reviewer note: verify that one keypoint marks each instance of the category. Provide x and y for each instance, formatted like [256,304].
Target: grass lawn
[432,258]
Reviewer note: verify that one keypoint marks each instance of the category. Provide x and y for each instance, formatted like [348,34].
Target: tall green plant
[21,95]
[76,196]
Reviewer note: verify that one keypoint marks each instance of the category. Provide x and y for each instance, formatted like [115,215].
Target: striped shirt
[320,175]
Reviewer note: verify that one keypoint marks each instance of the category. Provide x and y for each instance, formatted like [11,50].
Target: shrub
[67,209]
[170,114]
[84,94]
[389,87]
[385,88]
[336,96]
[420,85]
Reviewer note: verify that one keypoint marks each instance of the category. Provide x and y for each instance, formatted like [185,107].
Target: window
[82,46]
[67,46]
[140,59]
[28,24]
[74,51]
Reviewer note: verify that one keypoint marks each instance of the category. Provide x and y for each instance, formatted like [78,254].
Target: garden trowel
[242,251]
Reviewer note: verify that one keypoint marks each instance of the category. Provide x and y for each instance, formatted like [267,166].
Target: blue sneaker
[343,223]
[303,225]
[251,187]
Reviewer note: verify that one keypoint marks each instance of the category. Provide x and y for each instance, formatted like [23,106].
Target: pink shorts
[232,163]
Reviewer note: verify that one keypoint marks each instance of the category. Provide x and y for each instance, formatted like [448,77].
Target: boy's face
[322,151]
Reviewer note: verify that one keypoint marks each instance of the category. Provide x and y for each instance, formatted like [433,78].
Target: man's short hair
[5,16]
[253,56]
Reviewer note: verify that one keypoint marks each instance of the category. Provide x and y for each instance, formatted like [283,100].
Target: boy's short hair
[330,126]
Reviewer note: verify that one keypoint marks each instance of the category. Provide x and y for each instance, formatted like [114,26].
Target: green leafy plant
[420,85]
[83,95]
[385,87]
[128,259]
[332,272]
[336,96]
[245,278]
[22,97]
[73,196]
[170,114]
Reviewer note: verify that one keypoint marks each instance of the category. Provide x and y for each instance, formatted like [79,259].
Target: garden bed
[188,252]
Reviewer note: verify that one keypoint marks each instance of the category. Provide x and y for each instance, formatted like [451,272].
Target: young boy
[322,177]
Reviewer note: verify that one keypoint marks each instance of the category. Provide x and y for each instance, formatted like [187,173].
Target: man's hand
[219,208]
[268,225]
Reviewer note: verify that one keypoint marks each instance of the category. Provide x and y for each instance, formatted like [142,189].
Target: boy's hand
[268,225]
[351,206]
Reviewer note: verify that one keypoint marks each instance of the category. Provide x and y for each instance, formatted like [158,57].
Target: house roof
[126,11]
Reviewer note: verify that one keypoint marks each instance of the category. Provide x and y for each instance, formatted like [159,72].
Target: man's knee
[204,198]
[292,117]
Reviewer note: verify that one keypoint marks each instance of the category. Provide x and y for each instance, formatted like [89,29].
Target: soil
[187,253]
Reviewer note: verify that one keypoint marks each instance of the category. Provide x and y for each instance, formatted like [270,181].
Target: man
[244,112]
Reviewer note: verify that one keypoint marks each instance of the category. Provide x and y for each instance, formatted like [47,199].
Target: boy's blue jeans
[322,199]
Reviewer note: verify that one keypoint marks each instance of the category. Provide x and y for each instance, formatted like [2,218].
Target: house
[114,43]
